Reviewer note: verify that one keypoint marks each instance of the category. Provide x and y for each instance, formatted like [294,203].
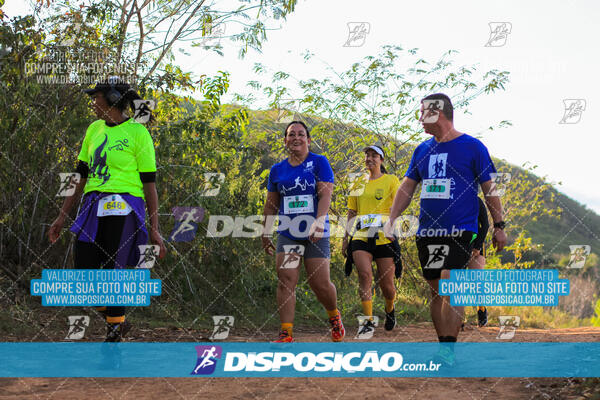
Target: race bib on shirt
[113,205]
[370,220]
[435,189]
[301,204]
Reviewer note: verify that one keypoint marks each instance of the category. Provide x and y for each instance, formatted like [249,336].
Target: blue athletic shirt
[450,173]
[297,188]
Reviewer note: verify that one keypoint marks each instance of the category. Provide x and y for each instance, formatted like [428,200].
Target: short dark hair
[296,122]
[448,109]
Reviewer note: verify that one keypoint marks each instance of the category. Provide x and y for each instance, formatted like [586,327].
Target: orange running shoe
[284,337]
[337,328]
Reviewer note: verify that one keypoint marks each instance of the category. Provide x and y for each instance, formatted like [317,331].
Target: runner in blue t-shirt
[449,167]
[299,191]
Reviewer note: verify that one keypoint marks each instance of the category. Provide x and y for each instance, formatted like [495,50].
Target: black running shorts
[377,251]
[444,252]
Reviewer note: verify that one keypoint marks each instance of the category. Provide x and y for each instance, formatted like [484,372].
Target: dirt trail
[315,388]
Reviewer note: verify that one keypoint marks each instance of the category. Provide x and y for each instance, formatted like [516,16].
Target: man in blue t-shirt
[449,167]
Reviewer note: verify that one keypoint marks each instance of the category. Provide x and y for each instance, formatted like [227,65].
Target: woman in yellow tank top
[368,210]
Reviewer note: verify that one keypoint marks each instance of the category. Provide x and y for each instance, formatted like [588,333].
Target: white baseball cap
[376,149]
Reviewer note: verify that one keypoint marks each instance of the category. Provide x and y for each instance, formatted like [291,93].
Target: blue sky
[551,52]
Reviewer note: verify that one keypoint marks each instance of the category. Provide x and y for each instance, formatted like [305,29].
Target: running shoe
[284,337]
[482,317]
[115,332]
[337,328]
[390,320]
[366,328]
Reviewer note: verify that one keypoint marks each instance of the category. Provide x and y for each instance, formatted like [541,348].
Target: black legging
[102,252]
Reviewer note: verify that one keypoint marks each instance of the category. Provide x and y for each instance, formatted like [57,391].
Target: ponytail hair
[382,168]
[127,99]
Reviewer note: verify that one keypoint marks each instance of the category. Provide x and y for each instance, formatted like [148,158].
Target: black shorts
[102,252]
[444,252]
[377,251]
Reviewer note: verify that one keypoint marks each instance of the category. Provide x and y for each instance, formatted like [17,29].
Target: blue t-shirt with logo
[297,188]
[450,173]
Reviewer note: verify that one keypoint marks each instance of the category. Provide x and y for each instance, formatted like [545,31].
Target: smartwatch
[500,225]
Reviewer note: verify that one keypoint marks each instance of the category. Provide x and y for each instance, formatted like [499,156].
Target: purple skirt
[134,230]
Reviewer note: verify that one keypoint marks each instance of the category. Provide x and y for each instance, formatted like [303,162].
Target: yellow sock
[481,308]
[332,313]
[115,320]
[389,305]
[287,326]
[368,308]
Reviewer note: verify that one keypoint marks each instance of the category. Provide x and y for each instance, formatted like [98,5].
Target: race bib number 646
[113,205]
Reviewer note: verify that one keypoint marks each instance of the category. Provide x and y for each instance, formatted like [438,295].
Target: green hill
[577,224]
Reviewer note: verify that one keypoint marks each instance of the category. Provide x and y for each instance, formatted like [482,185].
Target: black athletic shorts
[483,224]
[377,251]
[444,252]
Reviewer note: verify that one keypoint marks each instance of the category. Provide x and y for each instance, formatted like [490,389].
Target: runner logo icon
[437,256]
[148,254]
[508,326]
[207,359]
[573,110]
[68,180]
[77,325]
[289,110]
[499,32]
[223,323]
[366,326]
[212,33]
[579,254]
[499,183]
[291,256]
[143,110]
[212,184]
[431,110]
[357,33]
[186,223]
